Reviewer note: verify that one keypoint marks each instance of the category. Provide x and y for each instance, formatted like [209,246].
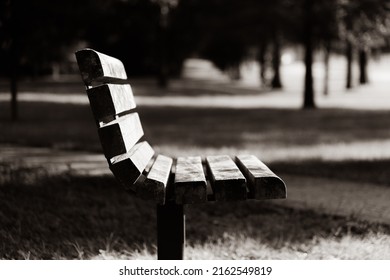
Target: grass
[343,144]
[48,215]
[46,124]
[70,217]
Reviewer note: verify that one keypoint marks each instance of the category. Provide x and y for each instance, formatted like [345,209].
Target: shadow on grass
[72,126]
[67,216]
[367,171]
[74,217]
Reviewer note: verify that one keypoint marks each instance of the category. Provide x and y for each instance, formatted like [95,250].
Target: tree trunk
[163,65]
[12,57]
[163,68]
[262,63]
[14,92]
[326,64]
[276,82]
[308,101]
[349,55]
[363,79]
[234,72]
[163,77]
[13,76]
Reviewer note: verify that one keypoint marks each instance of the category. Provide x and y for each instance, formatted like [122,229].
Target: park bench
[171,183]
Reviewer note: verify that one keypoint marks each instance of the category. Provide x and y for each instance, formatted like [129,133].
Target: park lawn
[51,216]
[73,217]
[71,126]
[343,144]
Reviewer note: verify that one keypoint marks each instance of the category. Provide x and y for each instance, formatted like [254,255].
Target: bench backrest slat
[109,100]
[119,136]
[156,181]
[128,167]
[98,67]
[112,102]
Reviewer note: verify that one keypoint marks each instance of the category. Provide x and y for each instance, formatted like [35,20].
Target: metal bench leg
[170,231]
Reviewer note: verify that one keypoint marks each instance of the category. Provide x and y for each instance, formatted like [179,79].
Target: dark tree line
[36,34]
[226,32]
[153,37]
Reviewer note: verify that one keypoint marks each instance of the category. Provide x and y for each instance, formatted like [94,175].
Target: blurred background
[301,84]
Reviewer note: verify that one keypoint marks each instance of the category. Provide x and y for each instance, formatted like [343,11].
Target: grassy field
[344,144]
[68,217]
[55,216]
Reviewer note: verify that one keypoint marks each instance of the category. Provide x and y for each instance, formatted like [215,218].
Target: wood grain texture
[262,182]
[95,66]
[128,167]
[154,187]
[190,181]
[227,182]
[109,100]
[119,136]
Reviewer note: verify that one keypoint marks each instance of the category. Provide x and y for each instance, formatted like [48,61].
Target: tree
[9,53]
[274,23]
[364,25]
[319,29]
[165,10]
[34,34]
[308,100]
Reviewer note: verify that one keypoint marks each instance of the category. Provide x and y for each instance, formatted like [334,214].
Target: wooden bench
[171,183]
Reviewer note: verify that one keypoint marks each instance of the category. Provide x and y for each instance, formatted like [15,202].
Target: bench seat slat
[95,66]
[156,182]
[262,182]
[227,182]
[119,136]
[129,166]
[190,181]
[109,100]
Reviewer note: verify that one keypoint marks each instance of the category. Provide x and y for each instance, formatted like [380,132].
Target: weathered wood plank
[262,182]
[154,187]
[227,181]
[109,100]
[129,166]
[119,136]
[95,66]
[190,181]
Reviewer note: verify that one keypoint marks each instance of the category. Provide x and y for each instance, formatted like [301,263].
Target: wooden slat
[227,181]
[129,166]
[109,100]
[262,182]
[119,136]
[190,181]
[154,187]
[95,66]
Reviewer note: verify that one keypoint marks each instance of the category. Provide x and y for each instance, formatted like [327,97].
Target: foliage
[365,23]
[225,32]
[128,30]
[39,31]
[45,31]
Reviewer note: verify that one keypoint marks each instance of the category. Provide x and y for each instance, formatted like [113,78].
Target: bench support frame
[170,231]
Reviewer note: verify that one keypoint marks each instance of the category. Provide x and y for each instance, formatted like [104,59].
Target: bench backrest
[113,106]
